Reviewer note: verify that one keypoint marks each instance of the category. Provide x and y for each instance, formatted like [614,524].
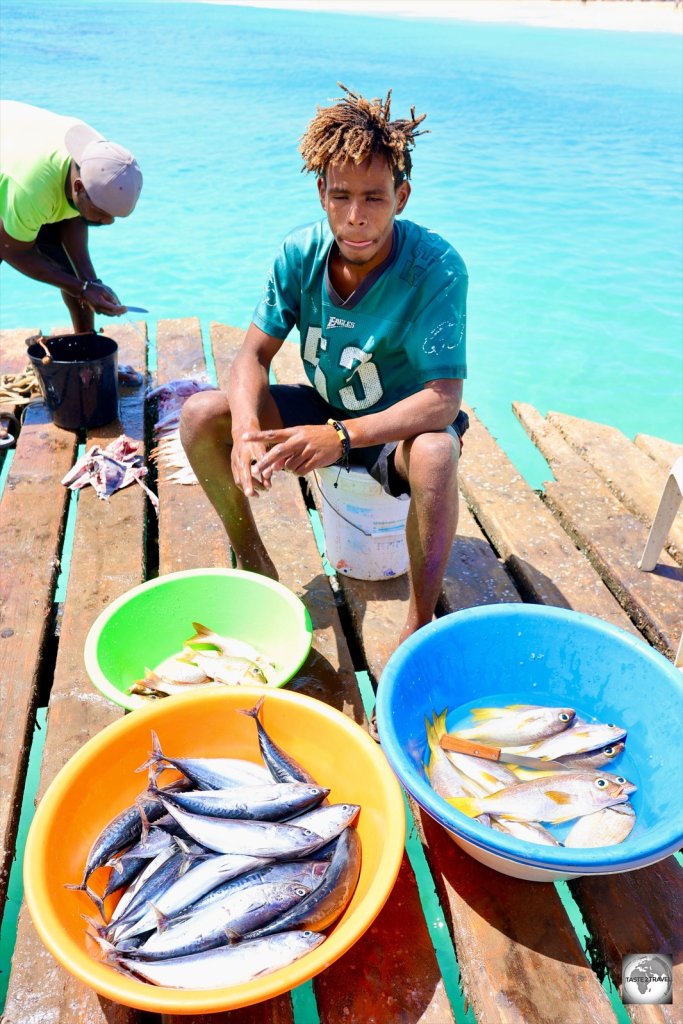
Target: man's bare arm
[302,449]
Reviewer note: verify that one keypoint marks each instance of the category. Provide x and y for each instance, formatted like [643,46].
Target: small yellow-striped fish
[568,795]
[516,725]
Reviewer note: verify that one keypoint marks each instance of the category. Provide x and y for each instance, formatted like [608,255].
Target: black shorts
[300,404]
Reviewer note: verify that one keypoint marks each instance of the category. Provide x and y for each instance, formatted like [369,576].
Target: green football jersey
[401,328]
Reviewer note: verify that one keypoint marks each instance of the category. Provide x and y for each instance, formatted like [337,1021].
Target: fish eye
[300,892]
[611,725]
[601,783]
[564,717]
[609,751]
[620,779]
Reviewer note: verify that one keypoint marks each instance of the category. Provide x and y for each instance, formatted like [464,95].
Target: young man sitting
[380,308]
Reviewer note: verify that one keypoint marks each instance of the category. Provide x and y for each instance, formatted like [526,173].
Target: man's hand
[101,299]
[297,449]
[244,460]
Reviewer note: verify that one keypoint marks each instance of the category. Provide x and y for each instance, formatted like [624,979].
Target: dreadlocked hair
[356,128]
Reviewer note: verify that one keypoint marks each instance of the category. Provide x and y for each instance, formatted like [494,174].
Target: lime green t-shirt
[34,163]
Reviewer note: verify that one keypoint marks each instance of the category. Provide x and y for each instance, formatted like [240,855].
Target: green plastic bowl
[151,622]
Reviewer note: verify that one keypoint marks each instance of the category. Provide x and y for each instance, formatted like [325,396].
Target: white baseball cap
[110,174]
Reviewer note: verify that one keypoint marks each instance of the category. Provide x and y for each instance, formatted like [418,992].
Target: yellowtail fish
[153,685]
[579,738]
[205,639]
[590,760]
[226,668]
[606,827]
[516,725]
[444,777]
[594,759]
[565,796]
[178,670]
[530,831]
[487,776]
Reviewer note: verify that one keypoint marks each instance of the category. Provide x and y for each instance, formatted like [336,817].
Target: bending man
[58,176]
[380,308]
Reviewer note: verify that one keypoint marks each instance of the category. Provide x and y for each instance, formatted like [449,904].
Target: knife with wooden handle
[489,753]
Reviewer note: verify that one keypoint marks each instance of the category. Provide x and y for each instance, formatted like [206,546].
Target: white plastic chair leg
[671,498]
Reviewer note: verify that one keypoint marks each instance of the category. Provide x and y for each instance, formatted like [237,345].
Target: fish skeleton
[565,796]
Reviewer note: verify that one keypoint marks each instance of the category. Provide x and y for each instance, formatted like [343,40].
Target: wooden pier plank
[543,561]
[33,510]
[474,575]
[112,535]
[637,912]
[192,536]
[362,986]
[13,355]
[612,537]
[524,932]
[415,962]
[629,473]
[520,959]
[190,533]
[282,520]
[663,452]
[378,611]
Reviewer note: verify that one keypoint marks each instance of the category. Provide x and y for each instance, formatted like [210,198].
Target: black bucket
[80,380]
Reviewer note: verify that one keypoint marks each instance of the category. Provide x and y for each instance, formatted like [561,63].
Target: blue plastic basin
[530,654]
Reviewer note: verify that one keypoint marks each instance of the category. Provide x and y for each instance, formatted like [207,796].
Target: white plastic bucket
[365,528]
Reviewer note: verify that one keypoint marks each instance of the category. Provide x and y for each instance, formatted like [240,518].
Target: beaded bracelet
[344,438]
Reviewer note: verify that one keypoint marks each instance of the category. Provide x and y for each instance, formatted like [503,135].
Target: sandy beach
[607,15]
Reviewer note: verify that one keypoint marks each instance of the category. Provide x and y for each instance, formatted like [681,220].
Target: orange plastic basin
[100,781]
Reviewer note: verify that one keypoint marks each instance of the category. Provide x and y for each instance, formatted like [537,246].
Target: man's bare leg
[82,317]
[206,436]
[430,463]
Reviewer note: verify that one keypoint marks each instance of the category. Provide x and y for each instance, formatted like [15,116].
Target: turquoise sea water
[553,165]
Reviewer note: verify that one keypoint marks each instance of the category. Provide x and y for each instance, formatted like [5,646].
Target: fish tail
[161,918]
[200,632]
[483,714]
[77,886]
[156,756]
[99,903]
[432,741]
[254,712]
[466,805]
[99,929]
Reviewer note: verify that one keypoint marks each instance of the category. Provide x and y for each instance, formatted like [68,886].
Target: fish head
[613,786]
